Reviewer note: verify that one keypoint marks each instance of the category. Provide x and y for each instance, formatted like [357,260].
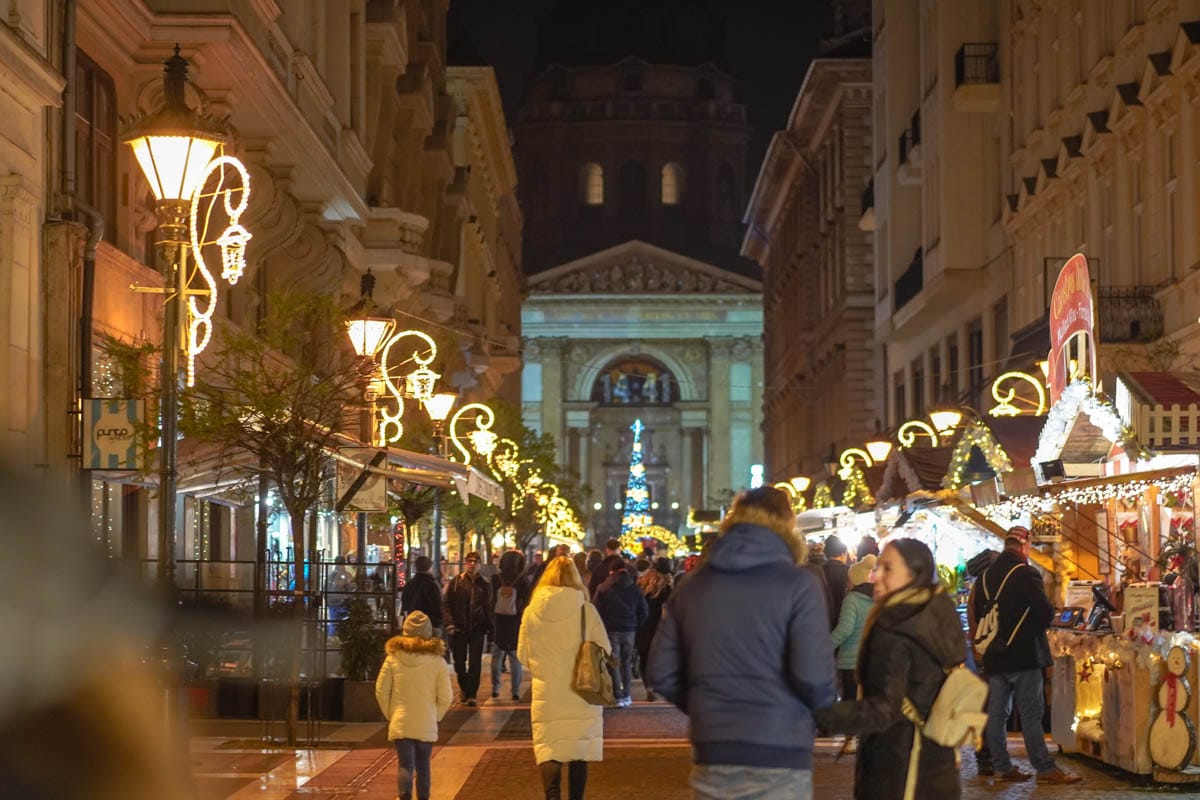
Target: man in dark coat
[1016,659]
[612,557]
[623,609]
[837,574]
[423,594]
[743,649]
[467,612]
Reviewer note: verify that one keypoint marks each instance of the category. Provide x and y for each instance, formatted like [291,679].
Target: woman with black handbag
[566,727]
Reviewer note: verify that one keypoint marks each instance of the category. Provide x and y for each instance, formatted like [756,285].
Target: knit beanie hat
[417,624]
[663,564]
[860,572]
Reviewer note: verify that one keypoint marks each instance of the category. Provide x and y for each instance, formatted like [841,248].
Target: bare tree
[272,402]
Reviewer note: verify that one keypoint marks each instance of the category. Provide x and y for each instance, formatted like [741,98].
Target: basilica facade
[638,332]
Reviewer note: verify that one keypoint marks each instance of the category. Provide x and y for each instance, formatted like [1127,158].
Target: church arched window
[592,179]
[593,184]
[672,178]
[635,380]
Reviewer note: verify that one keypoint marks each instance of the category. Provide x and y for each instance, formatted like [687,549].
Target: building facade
[805,229]
[1106,142]
[1009,136]
[365,152]
[638,332]
[633,174]
[942,261]
[632,150]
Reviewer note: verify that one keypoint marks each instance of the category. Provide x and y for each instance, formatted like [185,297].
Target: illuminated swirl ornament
[482,439]
[1004,399]
[202,302]
[390,428]
[907,433]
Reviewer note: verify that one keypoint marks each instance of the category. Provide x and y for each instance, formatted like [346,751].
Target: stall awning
[430,470]
[210,470]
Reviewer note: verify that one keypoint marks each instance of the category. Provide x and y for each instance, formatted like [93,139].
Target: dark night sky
[766,44]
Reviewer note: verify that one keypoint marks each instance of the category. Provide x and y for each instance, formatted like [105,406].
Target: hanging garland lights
[856,493]
[1090,495]
[634,539]
[823,496]
[977,434]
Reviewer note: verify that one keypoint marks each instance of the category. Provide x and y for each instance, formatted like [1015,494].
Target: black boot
[551,779]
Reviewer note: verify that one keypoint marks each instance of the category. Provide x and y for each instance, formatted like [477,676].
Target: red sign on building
[1071,313]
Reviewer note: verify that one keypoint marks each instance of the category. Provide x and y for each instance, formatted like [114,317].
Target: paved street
[484,754]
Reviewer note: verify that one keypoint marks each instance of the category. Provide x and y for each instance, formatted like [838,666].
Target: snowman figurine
[1172,738]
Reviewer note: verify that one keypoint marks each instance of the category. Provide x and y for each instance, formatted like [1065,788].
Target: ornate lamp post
[177,148]
[438,408]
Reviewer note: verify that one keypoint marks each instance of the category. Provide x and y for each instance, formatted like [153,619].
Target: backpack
[989,624]
[957,716]
[506,600]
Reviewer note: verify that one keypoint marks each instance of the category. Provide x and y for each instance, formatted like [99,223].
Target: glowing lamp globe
[175,144]
[945,419]
[438,405]
[879,449]
[367,334]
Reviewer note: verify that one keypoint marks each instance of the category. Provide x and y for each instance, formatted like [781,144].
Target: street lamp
[176,148]
[945,418]
[801,483]
[438,407]
[879,446]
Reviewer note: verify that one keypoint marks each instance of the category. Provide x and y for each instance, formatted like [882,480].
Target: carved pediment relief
[638,268]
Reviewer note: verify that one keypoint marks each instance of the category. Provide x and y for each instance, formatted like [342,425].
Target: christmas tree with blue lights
[637,496]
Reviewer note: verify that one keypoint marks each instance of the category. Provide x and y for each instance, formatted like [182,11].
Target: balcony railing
[911,281]
[977,62]
[1130,314]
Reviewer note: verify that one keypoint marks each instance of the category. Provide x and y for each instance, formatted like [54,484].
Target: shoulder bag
[592,680]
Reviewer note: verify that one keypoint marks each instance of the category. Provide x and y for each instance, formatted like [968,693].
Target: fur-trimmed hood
[784,529]
[414,644]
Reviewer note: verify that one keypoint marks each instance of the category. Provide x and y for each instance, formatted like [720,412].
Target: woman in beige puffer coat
[413,691]
[566,728]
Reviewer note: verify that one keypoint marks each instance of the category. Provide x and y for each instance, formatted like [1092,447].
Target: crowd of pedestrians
[763,643]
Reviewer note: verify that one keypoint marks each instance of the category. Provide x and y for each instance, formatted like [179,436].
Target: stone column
[552,391]
[693,423]
[719,450]
[756,401]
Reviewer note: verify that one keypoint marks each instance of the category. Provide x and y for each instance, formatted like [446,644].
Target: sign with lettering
[1071,314]
[110,433]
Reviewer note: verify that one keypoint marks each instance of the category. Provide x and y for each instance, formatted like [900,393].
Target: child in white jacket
[413,691]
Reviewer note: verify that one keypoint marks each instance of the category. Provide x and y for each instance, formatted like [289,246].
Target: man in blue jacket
[743,648]
[623,609]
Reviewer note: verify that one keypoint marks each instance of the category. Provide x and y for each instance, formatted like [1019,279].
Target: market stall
[1124,578]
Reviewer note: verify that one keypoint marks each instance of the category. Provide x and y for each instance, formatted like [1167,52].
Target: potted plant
[362,655]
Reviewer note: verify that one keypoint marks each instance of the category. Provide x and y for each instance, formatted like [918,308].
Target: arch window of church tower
[671,184]
[593,184]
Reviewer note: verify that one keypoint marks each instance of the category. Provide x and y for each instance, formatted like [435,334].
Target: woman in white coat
[566,728]
[413,692]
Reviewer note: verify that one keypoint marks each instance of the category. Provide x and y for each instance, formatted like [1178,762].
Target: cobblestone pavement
[484,754]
